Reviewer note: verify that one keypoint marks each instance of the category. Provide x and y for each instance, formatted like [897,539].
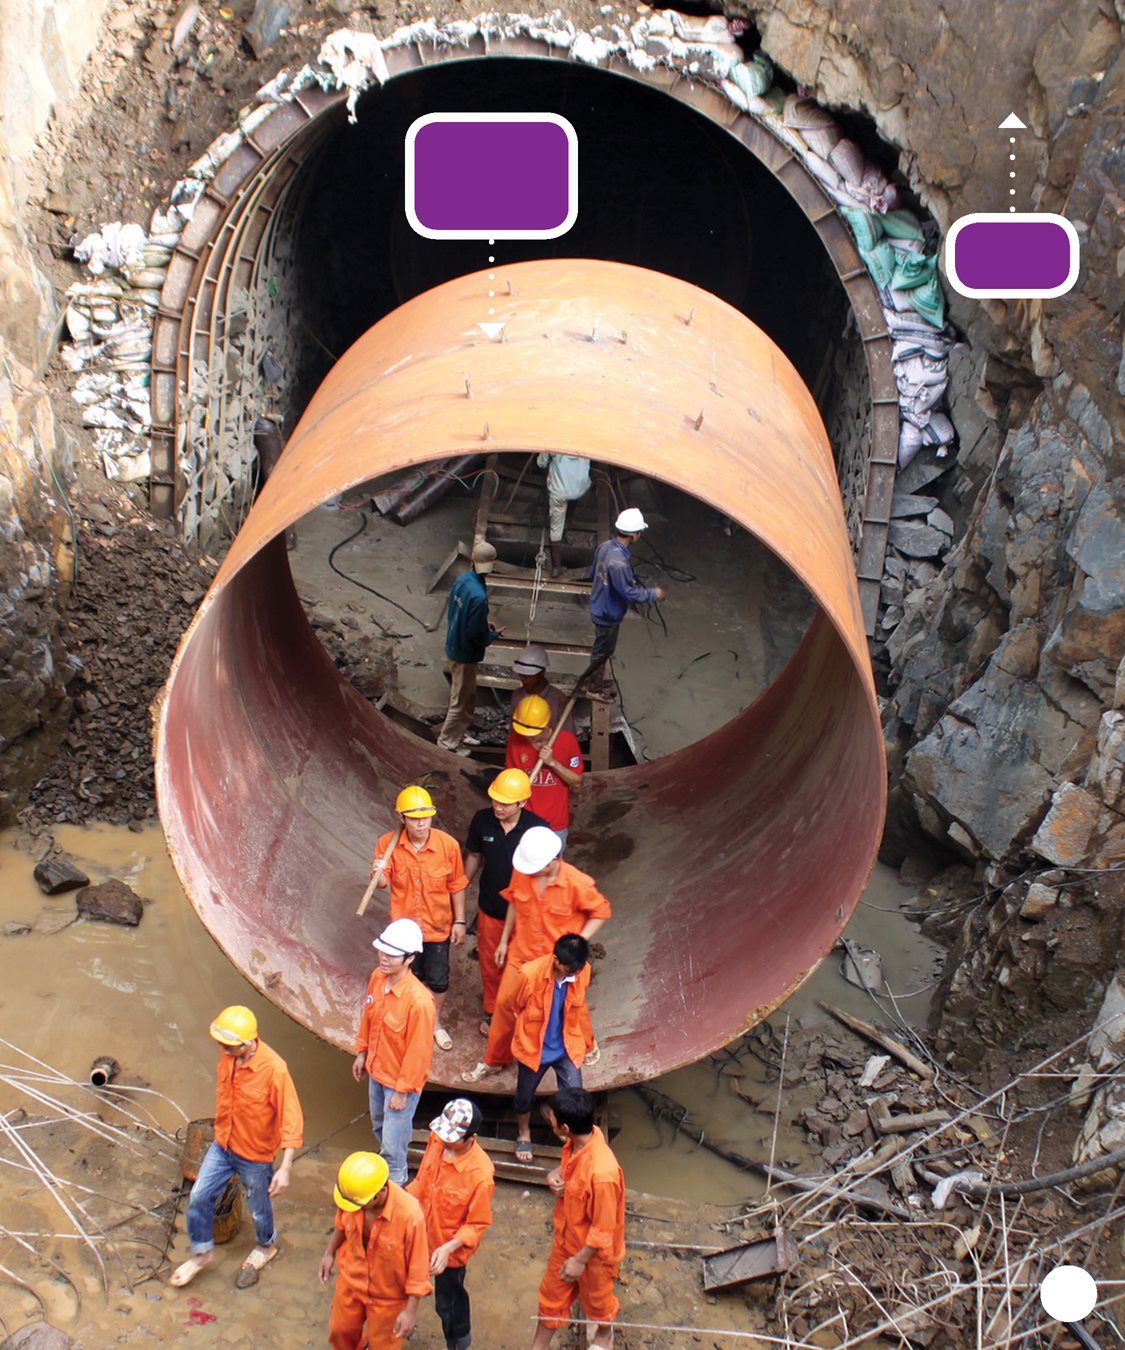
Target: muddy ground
[71,990]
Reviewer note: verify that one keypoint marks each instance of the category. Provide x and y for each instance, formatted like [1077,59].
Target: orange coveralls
[532,1007]
[374,1282]
[566,906]
[257,1113]
[590,1212]
[456,1197]
[396,1032]
[422,881]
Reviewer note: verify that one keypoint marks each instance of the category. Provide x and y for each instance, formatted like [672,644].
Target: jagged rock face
[1003,727]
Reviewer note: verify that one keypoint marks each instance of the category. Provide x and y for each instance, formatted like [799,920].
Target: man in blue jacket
[467,635]
[614,589]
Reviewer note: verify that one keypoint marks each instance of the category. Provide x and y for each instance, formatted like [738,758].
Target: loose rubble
[136,592]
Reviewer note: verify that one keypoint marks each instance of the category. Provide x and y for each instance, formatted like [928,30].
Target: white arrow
[1012,123]
[491,330]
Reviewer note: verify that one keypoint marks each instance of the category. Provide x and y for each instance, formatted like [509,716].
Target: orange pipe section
[732,865]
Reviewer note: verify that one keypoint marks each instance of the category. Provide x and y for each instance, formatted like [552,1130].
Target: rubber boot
[555,551]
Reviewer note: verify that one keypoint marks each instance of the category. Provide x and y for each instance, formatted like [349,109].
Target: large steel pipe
[732,864]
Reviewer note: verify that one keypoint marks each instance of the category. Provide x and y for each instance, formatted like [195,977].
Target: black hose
[363,584]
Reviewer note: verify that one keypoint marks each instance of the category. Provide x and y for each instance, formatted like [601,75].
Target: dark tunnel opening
[660,186]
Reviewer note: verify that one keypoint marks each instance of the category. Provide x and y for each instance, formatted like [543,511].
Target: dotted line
[1012,172]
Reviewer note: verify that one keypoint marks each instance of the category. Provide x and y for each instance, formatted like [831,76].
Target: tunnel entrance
[660,186]
[297,244]
[732,864]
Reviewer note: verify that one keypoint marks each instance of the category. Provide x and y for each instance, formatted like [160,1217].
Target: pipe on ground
[732,865]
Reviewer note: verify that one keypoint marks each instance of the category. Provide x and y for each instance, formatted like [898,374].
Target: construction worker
[530,668]
[493,835]
[380,1235]
[395,1041]
[560,767]
[589,1224]
[427,883]
[568,478]
[613,590]
[552,1027]
[467,636]
[547,898]
[256,1115]
[454,1185]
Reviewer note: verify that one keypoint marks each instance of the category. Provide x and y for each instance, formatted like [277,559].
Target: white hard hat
[630,521]
[403,937]
[535,850]
[531,661]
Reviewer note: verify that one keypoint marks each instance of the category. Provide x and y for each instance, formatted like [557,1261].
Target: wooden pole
[377,874]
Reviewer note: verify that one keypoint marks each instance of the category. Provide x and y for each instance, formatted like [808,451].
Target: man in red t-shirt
[561,770]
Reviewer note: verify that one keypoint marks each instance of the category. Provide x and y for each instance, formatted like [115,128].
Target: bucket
[228,1213]
[200,1133]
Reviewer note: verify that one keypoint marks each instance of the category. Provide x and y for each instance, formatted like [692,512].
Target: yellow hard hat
[513,785]
[416,802]
[360,1179]
[532,715]
[235,1026]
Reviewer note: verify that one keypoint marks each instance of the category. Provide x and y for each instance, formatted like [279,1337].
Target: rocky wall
[1005,683]
[42,49]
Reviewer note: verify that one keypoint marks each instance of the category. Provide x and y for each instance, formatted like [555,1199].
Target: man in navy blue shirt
[614,589]
[467,635]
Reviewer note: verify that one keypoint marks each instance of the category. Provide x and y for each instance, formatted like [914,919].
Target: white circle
[1011,156]
[1011,192]
[1068,1294]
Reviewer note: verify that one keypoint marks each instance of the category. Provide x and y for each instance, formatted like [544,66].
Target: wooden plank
[603,509]
[568,590]
[599,735]
[484,506]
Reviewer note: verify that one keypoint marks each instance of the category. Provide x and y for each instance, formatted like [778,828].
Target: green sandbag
[901,225]
[864,226]
[929,301]
[911,270]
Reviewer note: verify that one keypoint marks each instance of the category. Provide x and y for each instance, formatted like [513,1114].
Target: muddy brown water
[146,995]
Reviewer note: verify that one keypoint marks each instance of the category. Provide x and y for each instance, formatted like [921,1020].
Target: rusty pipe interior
[732,864]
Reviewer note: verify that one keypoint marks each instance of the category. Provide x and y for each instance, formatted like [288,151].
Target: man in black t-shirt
[491,840]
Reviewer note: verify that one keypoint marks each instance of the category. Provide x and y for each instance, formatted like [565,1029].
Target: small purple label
[1015,255]
[480,175]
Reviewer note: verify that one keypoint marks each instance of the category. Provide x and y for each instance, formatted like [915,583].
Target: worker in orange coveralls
[589,1224]
[380,1236]
[257,1115]
[552,1027]
[454,1187]
[546,898]
[394,1041]
[427,884]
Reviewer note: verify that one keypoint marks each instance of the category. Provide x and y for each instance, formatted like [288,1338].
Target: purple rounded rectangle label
[1018,255]
[491,175]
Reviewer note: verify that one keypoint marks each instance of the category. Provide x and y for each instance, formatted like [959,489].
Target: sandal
[593,1057]
[482,1070]
[524,1153]
[186,1271]
[256,1261]
[442,1039]
[485,1023]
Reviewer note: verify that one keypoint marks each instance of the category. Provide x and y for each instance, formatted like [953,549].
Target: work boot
[555,551]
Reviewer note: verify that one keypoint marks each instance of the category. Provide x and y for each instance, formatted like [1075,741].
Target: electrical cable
[363,584]
[678,574]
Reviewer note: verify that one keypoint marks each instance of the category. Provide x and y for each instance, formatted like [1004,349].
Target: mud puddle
[146,996]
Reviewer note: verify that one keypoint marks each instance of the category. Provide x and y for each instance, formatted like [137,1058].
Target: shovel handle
[377,874]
